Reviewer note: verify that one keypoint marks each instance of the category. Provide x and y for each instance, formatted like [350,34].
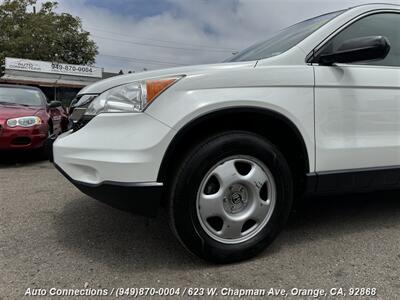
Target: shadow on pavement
[113,237]
[20,158]
[327,217]
[116,238]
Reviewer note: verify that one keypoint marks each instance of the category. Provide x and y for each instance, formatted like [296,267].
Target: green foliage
[43,34]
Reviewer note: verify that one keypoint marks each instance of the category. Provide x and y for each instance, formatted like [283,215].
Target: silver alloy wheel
[236,199]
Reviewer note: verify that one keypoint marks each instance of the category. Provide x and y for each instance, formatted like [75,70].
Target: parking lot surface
[52,235]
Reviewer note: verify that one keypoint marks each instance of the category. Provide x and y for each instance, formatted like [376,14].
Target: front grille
[77,114]
[77,118]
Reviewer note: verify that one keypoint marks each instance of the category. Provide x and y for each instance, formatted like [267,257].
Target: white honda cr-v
[226,148]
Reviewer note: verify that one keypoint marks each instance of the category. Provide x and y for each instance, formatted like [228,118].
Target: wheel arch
[254,120]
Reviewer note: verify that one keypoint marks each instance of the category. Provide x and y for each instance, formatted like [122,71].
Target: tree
[43,34]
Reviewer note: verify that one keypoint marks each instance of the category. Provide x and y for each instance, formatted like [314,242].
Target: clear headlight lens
[131,97]
[24,121]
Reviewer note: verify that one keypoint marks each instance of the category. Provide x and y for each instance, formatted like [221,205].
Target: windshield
[284,39]
[20,96]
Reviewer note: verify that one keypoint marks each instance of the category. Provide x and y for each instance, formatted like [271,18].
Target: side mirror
[55,104]
[356,50]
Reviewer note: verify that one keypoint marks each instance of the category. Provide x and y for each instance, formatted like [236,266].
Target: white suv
[227,147]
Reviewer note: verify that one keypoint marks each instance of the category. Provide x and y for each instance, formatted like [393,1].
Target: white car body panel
[357,122]
[282,90]
[357,117]
[286,90]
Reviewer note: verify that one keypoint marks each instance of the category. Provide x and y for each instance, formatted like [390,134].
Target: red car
[26,119]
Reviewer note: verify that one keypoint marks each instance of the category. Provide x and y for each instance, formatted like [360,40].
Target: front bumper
[115,158]
[139,198]
[114,147]
[22,138]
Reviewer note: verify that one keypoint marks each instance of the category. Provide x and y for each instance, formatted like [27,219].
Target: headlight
[131,97]
[24,121]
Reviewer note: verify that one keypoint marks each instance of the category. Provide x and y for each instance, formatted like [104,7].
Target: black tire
[183,190]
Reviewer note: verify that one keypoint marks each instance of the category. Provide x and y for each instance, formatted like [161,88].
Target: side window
[381,24]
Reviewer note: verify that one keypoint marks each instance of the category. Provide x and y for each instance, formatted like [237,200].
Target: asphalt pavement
[53,236]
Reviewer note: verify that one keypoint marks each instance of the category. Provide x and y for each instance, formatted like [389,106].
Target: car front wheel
[231,197]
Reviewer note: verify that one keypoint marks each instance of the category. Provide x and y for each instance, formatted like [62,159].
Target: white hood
[103,85]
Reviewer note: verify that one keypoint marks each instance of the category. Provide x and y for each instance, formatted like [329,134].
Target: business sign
[51,67]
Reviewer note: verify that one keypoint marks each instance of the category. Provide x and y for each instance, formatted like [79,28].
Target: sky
[153,34]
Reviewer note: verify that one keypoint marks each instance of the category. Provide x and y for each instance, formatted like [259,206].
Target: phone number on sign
[68,68]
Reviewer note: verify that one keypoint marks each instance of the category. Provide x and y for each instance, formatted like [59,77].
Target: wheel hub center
[236,199]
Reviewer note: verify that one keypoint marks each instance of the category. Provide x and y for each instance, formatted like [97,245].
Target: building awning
[50,82]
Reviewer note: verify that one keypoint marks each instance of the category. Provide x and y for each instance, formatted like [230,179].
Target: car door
[357,106]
